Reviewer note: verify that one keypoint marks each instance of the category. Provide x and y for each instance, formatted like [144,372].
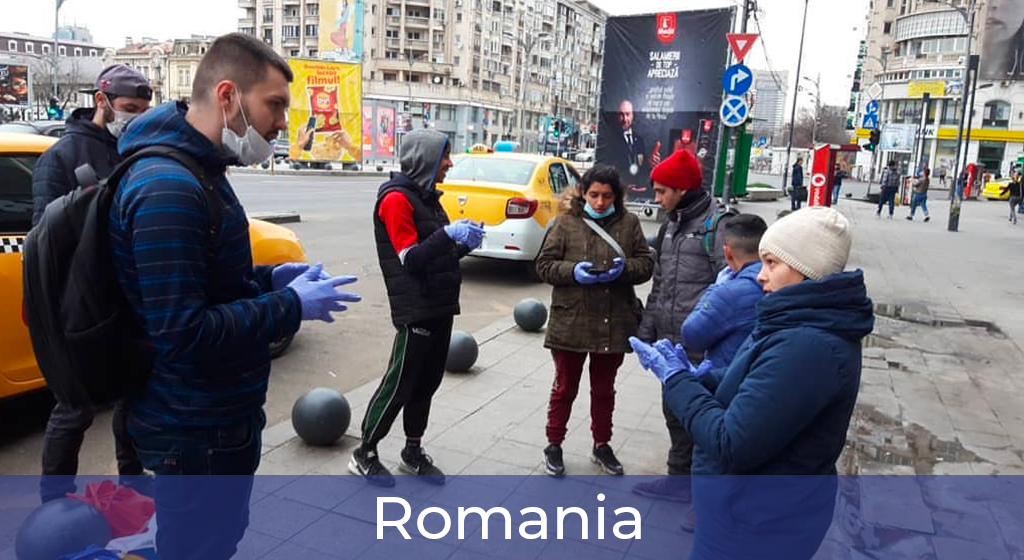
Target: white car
[585,155]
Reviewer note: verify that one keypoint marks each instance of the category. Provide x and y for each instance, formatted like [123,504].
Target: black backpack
[86,337]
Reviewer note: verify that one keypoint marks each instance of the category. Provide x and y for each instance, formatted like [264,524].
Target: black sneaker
[605,458]
[415,461]
[366,464]
[911,218]
[926,218]
[671,488]
[553,460]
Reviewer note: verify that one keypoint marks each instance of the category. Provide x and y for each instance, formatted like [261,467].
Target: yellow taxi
[994,190]
[271,244]
[516,195]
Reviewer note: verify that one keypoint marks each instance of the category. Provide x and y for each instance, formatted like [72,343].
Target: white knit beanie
[815,241]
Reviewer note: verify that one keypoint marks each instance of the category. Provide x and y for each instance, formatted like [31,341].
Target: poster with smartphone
[325,120]
[660,92]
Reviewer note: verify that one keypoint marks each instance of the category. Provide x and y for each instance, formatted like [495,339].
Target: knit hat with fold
[681,171]
[814,241]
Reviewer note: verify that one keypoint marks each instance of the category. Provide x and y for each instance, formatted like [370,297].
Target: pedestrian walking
[770,412]
[942,176]
[797,192]
[418,251]
[209,314]
[920,195]
[890,186]
[1014,188]
[837,183]
[593,256]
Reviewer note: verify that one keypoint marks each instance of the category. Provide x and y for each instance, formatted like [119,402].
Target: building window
[62,50]
[313,9]
[887,28]
[92,52]
[391,33]
[289,31]
[268,14]
[997,114]
[47,49]
[12,46]
[312,30]
[392,55]
[412,35]
[372,75]
[390,76]
[268,35]
[373,53]
[294,52]
[458,17]
[391,11]
[312,53]
[30,48]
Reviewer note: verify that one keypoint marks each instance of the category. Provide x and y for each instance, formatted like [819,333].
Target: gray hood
[421,156]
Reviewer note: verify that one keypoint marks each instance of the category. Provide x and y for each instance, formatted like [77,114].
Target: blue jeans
[888,195]
[835,193]
[202,517]
[919,199]
[795,198]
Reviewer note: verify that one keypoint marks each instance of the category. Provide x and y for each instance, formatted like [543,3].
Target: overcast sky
[834,28]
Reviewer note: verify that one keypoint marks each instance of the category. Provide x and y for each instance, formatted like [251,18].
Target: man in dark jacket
[683,270]
[90,135]
[797,192]
[783,406]
[890,185]
[89,138]
[419,254]
[208,312]
[725,314]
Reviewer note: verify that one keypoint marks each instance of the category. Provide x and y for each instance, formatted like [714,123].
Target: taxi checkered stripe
[11,244]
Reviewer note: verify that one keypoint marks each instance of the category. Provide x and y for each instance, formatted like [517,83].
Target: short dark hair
[607,175]
[238,57]
[743,233]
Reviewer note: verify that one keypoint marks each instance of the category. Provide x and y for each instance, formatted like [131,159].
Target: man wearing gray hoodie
[419,252]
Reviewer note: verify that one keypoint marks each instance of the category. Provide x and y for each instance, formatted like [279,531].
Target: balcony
[291,42]
[394,21]
[246,22]
[421,22]
[417,44]
[417,3]
[246,3]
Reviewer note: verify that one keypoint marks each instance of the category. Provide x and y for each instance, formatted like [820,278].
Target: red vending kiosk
[823,171]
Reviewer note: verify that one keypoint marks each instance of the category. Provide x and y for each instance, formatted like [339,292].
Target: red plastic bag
[125,510]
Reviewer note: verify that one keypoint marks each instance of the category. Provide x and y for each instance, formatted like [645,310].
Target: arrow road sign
[870,121]
[871,107]
[741,43]
[734,111]
[737,79]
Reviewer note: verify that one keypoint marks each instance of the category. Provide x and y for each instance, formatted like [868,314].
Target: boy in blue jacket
[725,314]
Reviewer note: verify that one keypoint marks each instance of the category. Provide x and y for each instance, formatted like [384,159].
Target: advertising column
[660,92]
[324,122]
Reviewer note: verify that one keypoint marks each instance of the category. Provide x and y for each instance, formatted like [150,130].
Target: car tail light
[520,208]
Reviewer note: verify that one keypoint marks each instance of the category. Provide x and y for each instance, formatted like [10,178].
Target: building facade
[769,112]
[148,56]
[78,64]
[182,63]
[918,46]
[291,26]
[478,70]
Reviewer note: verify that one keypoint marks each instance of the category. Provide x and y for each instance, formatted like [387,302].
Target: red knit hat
[679,171]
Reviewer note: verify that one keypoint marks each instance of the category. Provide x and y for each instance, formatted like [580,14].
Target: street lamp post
[817,107]
[527,46]
[792,117]
[956,194]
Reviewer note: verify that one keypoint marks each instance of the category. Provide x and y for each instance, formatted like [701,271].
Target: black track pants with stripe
[414,373]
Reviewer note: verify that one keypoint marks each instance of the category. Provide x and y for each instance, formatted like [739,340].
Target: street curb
[308,172]
[283,432]
[278,217]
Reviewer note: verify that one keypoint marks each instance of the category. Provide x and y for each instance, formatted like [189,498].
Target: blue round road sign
[734,111]
[737,79]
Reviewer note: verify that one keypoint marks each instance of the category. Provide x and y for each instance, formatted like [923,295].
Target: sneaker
[366,464]
[911,218]
[878,214]
[605,458]
[689,522]
[926,218]
[553,460]
[890,216]
[415,461]
[671,488]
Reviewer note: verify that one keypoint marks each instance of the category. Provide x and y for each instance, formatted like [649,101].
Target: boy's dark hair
[607,175]
[238,57]
[743,233]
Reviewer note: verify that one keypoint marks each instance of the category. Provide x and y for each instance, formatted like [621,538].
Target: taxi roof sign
[479,149]
[506,146]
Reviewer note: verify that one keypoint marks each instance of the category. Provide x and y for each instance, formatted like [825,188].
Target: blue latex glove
[581,273]
[319,297]
[283,274]
[618,265]
[660,358]
[704,367]
[467,232]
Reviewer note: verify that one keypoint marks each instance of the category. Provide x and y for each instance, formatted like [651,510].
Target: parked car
[515,195]
[994,190]
[271,244]
[585,155]
[44,128]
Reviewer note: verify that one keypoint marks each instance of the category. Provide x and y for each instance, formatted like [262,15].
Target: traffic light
[558,127]
[54,112]
[873,138]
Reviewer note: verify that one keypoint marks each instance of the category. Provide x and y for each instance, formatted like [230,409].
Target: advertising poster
[385,132]
[326,104]
[660,92]
[341,30]
[1002,49]
[898,137]
[14,84]
[367,131]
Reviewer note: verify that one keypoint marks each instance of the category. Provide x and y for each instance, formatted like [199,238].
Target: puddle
[919,314]
[880,440]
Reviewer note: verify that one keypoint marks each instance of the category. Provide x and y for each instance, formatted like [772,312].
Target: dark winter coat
[598,318]
[782,407]
[724,316]
[683,270]
[83,142]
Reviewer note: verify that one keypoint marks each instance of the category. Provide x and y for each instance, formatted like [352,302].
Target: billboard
[385,132]
[661,91]
[341,30]
[367,131]
[898,137]
[328,96]
[1002,51]
[14,84]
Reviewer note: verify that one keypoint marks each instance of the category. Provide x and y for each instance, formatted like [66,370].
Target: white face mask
[249,149]
[120,121]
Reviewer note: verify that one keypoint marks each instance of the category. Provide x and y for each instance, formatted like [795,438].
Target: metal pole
[956,195]
[527,47]
[742,129]
[56,27]
[792,117]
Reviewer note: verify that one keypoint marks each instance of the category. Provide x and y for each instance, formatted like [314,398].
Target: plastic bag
[125,510]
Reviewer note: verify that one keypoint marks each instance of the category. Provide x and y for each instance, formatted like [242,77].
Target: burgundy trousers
[568,371]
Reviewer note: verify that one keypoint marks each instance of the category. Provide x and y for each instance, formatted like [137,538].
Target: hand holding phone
[310,126]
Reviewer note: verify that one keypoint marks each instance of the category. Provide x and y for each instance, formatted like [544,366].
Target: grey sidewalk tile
[1009,517]
[659,544]
[953,469]
[419,548]
[881,398]
[290,550]
[878,493]
[334,534]
[282,518]
[363,504]
[462,490]
[516,453]
[591,550]
[279,434]
[255,545]
[959,549]
[975,527]
[324,492]
[972,440]
[1000,457]
[295,457]
[451,462]
[989,469]
[975,419]
[560,490]
[832,550]
[433,522]
[511,475]
[467,554]
[952,494]
[270,484]
[667,515]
